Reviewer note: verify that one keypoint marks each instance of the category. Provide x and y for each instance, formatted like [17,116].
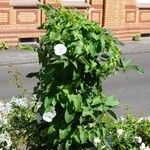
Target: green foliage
[3,45]
[70,80]
[136,37]
[25,47]
[135,132]
[21,127]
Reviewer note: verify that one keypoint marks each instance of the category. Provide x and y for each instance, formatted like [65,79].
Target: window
[75,4]
[143,1]
[24,3]
[143,4]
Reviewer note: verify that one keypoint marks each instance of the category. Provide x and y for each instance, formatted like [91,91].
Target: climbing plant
[76,55]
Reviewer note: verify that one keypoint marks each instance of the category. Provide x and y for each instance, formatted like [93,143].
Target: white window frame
[24,3]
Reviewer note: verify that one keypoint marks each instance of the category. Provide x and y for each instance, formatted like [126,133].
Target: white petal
[60,49]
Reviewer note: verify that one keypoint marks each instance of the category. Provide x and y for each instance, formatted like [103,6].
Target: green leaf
[114,116]
[96,37]
[76,137]
[136,68]
[82,135]
[74,63]
[65,91]
[67,145]
[126,63]
[77,101]
[111,101]
[51,129]
[106,118]
[69,116]
[102,42]
[57,62]
[47,102]
[87,112]
[64,133]
[79,47]
[96,100]
[52,35]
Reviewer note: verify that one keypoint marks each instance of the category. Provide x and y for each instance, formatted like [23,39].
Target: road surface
[132,89]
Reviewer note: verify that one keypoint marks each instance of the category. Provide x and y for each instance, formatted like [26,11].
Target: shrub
[136,37]
[3,45]
[18,125]
[130,133]
[21,127]
[76,55]
[25,47]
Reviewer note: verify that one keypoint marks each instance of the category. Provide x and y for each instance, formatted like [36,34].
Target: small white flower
[147,148]
[96,141]
[1,105]
[141,119]
[38,118]
[122,118]
[19,102]
[139,139]
[120,132]
[5,138]
[60,49]
[142,147]
[3,120]
[7,108]
[48,116]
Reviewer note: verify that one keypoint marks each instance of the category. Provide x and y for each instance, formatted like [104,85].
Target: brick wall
[18,22]
[123,17]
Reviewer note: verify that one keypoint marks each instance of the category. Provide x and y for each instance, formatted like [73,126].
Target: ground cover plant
[25,47]
[21,128]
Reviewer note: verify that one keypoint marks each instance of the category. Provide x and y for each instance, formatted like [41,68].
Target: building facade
[19,19]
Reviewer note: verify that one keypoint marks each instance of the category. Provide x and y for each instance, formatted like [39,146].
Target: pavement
[16,57]
[27,57]
[131,88]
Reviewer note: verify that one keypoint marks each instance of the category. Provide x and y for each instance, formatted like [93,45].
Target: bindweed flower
[139,139]
[120,132]
[60,49]
[38,118]
[96,141]
[48,116]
